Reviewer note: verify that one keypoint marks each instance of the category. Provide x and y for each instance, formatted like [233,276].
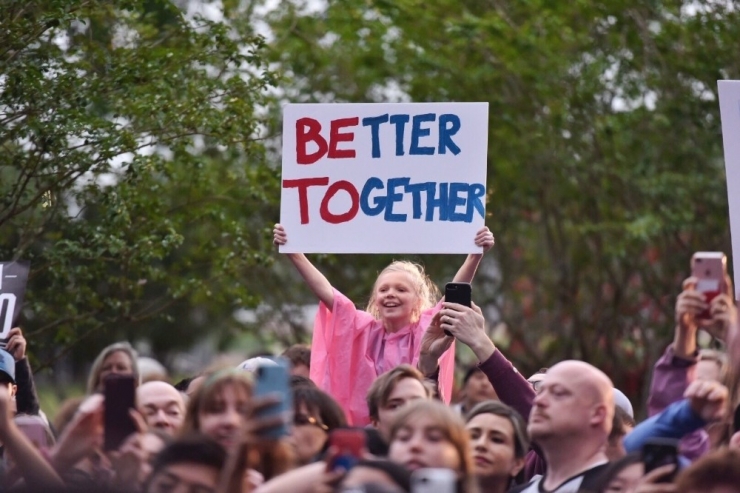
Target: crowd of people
[381,379]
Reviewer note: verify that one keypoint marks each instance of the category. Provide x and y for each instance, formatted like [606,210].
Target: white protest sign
[384,178]
[729,106]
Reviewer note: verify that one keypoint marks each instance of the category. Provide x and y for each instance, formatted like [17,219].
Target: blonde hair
[426,291]
[93,381]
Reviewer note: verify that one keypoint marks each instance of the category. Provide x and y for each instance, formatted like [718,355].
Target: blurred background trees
[140,163]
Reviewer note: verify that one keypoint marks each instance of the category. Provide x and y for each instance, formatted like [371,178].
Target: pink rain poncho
[350,349]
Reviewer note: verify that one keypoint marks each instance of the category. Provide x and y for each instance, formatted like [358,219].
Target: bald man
[570,422]
[162,406]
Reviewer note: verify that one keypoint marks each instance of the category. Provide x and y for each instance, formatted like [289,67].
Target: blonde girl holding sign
[352,347]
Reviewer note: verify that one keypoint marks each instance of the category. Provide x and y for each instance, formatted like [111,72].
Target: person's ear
[599,415]
[517,466]
[13,390]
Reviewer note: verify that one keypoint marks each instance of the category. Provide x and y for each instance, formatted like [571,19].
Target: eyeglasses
[536,385]
[303,420]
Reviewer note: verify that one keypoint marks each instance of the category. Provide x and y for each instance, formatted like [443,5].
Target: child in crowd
[352,347]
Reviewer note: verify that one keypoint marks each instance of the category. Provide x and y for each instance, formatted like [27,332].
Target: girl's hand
[279,236]
[484,238]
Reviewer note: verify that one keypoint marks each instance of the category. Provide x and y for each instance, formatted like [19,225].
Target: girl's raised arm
[466,273]
[316,281]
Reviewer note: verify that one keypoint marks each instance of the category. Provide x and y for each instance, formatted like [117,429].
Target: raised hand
[434,343]
[16,344]
[469,327]
[708,399]
[484,238]
[279,236]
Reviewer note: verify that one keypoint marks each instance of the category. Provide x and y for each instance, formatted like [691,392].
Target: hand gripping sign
[13,278]
[384,178]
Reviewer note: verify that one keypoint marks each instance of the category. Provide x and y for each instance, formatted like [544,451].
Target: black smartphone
[120,399]
[460,293]
[659,452]
[275,379]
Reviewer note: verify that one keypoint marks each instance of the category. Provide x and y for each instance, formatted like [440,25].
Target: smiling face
[396,299]
[492,441]
[421,443]
[224,417]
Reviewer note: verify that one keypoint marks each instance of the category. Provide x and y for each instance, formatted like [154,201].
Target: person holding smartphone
[677,367]
[351,348]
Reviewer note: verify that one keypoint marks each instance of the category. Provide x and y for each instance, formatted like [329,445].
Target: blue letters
[394,196]
[417,132]
[370,185]
[400,122]
[374,124]
[445,134]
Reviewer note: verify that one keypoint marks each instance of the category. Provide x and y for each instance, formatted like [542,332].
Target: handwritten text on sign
[396,178]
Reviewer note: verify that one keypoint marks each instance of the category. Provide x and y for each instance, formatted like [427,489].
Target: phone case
[459,292]
[349,445]
[660,452]
[433,481]
[276,380]
[120,398]
[710,269]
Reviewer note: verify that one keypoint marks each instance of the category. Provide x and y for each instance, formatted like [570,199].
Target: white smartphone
[433,481]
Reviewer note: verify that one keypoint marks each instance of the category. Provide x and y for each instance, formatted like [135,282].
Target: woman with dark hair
[499,444]
[316,414]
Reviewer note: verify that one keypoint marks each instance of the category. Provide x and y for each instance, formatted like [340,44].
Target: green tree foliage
[605,164]
[132,171]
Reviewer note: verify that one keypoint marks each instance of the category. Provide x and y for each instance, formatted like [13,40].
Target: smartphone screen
[120,399]
[275,379]
[348,445]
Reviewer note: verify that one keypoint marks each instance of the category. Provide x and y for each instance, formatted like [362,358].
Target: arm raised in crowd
[676,369]
[704,402]
[467,325]
[36,471]
[317,282]
[466,273]
[26,398]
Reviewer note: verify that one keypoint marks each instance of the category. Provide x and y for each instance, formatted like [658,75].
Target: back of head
[719,469]
[151,370]
[298,354]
